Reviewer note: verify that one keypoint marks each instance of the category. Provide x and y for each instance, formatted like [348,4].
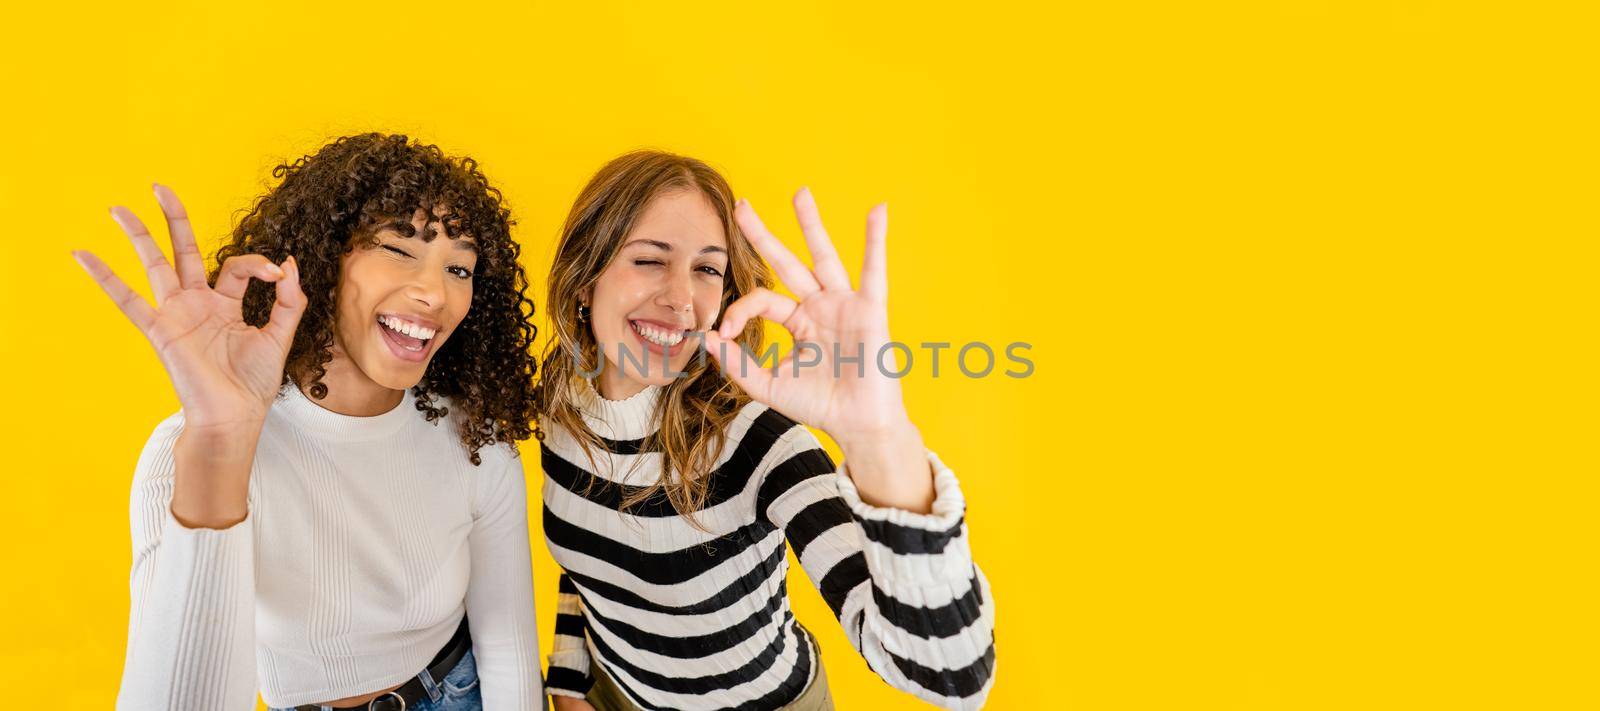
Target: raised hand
[854,401]
[225,371]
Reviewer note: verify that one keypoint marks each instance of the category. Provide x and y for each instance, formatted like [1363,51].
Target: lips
[405,346]
[657,337]
[412,327]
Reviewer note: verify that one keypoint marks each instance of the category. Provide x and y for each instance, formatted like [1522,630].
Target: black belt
[413,692]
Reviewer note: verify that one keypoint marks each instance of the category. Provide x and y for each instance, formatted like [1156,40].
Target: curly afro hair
[336,200]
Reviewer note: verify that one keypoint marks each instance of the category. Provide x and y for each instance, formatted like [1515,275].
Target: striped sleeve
[903,585]
[191,629]
[569,662]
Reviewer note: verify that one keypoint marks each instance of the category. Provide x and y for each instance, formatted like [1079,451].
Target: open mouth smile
[659,338]
[408,340]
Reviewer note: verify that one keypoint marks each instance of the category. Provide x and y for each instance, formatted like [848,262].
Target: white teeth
[408,328]
[657,336]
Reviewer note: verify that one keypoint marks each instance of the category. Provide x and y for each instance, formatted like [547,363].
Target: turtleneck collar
[321,422]
[632,418]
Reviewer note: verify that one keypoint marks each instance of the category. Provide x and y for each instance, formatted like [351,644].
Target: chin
[401,381]
[655,374]
[388,372]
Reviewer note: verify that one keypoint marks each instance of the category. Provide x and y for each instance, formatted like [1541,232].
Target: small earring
[583,313]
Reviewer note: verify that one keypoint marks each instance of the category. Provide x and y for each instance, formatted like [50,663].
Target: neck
[351,392]
[617,416]
[613,385]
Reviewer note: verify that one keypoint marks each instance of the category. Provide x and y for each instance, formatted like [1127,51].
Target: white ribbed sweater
[367,540]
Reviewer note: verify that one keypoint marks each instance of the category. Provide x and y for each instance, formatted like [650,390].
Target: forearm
[927,624]
[191,626]
[505,640]
[211,485]
[902,584]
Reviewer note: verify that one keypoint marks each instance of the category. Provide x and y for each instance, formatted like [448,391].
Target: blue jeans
[458,691]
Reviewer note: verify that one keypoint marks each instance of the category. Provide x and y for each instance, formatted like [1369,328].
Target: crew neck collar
[627,419]
[323,422]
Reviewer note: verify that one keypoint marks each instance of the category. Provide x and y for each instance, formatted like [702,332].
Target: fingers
[191,268]
[163,280]
[234,278]
[132,305]
[875,263]
[825,262]
[790,270]
[765,303]
[291,304]
[236,272]
[740,367]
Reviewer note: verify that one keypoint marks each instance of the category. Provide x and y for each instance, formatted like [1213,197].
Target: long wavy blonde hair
[694,411]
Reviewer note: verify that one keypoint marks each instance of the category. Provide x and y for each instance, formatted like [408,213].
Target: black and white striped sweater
[688,619]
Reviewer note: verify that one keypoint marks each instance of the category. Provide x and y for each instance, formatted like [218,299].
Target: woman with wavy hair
[672,485]
[337,514]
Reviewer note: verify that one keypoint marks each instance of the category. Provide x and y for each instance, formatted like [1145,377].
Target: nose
[427,288]
[677,294]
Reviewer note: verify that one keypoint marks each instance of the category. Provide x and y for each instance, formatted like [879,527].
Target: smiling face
[399,299]
[665,282]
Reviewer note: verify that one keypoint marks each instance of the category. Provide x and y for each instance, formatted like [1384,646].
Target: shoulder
[497,457]
[497,482]
[494,459]
[445,432]
[551,427]
[155,461]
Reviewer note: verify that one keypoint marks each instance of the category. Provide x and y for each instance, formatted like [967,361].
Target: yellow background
[1309,285]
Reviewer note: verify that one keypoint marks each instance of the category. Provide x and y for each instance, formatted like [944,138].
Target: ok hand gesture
[855,402]
[226,372]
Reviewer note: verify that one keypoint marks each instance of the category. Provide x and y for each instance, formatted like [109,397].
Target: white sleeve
[191,626]
[505,638]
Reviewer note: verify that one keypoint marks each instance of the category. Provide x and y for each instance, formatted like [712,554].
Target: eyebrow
[466,243]
[663,246]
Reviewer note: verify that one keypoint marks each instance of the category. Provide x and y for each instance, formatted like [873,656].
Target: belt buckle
[386,694]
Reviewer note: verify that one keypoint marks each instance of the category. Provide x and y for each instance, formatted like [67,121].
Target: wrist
[891,469]
[866,440]
[222,440]
[212,476]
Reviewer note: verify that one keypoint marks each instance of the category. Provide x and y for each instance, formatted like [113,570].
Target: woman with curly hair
[337,512]
[672,485]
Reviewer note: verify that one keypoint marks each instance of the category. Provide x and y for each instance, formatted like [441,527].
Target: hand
[860,407]
[568,703]
[225,371]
